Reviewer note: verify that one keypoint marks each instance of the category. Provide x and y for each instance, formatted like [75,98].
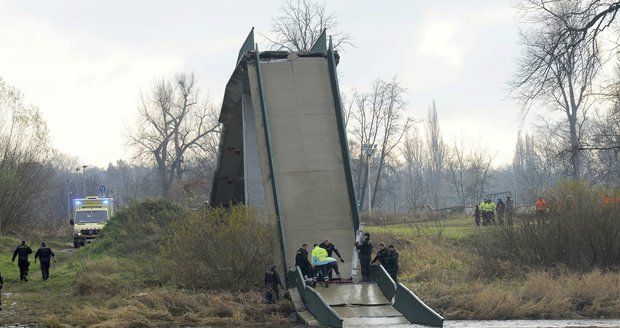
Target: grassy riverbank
[441,263]
[123,280]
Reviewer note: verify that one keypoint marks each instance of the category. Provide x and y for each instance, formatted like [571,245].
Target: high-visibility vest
[319,256]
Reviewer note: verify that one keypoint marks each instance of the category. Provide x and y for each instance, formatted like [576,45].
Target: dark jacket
[272,279]
[382,256]
[301,259]
[392,259]
[44,253]
[330,249]
[21,252]
[365,248]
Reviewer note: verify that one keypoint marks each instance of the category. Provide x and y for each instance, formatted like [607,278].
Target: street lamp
[84,180]
[368,150]
[77,189]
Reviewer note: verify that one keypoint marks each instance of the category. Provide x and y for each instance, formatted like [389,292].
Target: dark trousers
[45,269]
[326,270]
[392,270]
[306,270]
[365,266]
[23,265]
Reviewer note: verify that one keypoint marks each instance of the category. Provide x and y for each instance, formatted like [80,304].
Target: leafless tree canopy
[557,69]
[174,126]
[301,22]
[377,118]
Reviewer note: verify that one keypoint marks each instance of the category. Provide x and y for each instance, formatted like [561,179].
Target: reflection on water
[533,323]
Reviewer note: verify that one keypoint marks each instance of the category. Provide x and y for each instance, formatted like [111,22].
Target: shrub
[579,233]
[138,228]
[217,248]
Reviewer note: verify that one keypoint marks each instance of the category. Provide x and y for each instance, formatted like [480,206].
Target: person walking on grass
[45,255]
[22,252]
[365,253]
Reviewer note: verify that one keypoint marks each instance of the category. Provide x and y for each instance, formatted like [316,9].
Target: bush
[217,248]
[579,233]
[138,229]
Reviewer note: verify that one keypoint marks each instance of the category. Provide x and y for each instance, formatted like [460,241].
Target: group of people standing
[44,254]
[485,212]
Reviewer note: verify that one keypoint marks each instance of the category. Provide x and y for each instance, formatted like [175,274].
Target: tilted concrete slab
[352,294]
[306,156]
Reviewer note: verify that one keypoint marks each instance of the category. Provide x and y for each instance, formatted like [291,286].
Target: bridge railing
[407,303]
[386,283]
[315,303]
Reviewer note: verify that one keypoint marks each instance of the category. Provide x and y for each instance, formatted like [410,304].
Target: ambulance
[90,215]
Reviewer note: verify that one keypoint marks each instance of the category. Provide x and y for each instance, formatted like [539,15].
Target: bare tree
[437,155]
[414,154]
[301,22]
[377,122]
[173,126]
[557,68]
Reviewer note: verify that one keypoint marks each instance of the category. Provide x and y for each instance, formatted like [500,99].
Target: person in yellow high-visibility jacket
[323,263]
[487,207]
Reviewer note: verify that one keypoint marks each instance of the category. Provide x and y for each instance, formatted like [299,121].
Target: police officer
[44,254]
[392,258]
[365,253]
[382,255]
[330,248]
[272,284]
[301,260]
[22,252]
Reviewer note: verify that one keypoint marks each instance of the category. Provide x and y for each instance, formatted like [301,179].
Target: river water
[589,323]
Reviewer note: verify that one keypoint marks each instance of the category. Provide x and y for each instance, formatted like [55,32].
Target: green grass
[24,301]
[456,229]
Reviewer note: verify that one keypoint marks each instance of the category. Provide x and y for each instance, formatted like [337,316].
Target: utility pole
[368,150]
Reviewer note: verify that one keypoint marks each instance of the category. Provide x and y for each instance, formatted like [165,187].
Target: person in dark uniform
[392,258]
[382,255]
[330,248]
[272,284]
[22,252]
[45,255]
[364,250]
[301,260]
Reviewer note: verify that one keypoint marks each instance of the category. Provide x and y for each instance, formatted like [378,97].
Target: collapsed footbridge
[283,148]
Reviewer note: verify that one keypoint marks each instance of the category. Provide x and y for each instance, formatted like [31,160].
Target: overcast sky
[84,63]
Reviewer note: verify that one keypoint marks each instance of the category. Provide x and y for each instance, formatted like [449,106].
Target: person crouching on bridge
[365,253]
[324,264]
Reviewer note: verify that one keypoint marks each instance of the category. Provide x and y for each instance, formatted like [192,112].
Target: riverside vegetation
[148,269]
[565,268]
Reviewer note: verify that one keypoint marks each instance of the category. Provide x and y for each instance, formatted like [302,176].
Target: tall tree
[301,22]
[174,123]
[437,153]
[557,68]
